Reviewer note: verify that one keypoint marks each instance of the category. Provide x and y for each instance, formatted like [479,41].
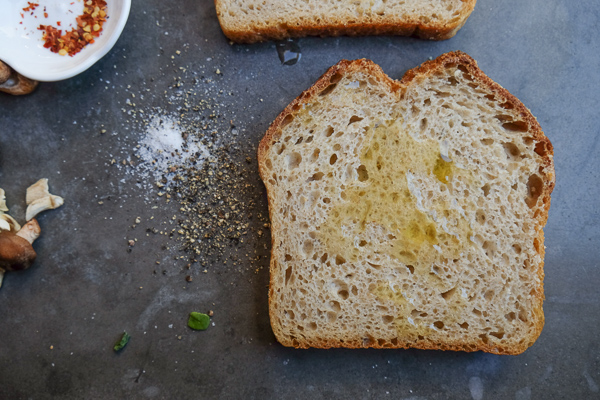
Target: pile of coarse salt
[163,146]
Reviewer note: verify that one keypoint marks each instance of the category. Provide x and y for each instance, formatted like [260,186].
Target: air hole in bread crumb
[537,245]
[448,294]
[465,72]
[535,186]
[333,159]
[512,150]
[288,257]
[299,140]
[498,335]
[288,275]
[290,314]
[335,306]
[387,319]
[510,316]
[326,200]
[324,257]
[517,248]
[293,160]
[489,248]
[489,295]
[316,177]
[354,118]
[315,155]
[517,126]
[328,90]
[362,243]
[438,324]
[354,290]
[411,269]
[344,294]
[328,131]
[484,338]
[528,141]
[368,341]
[339,260]
[464,325]
[541,149]
[335,78]
[486,189]
[487,142]
[363,174]
[313,326]
[507,105]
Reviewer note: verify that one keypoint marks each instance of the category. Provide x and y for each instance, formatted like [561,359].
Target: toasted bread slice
[407,213]
[248,21]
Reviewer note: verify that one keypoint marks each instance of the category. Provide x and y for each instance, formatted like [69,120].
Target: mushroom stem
[30,231]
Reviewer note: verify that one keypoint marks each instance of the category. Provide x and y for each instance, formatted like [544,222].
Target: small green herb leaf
[198,321]
[122,342]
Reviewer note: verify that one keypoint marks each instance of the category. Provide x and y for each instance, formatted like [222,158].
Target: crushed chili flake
[89,26]
[31,6]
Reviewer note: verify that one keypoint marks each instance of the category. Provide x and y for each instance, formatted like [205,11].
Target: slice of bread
[249,21]
[407,213]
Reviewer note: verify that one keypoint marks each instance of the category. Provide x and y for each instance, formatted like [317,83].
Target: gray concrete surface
[59,319]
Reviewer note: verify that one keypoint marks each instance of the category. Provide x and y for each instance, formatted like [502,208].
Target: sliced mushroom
[39,199]
[7,223]
[3,207]
[15,83]
[4,72]
[16,250]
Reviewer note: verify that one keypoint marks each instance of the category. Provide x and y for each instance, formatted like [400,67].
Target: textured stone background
[60,318]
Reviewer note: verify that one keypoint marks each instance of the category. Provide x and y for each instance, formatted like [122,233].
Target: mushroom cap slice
[16,253]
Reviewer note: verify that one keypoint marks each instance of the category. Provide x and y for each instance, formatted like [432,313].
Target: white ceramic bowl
[21,44]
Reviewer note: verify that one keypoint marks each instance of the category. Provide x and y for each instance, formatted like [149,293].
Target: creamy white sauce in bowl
[22,46]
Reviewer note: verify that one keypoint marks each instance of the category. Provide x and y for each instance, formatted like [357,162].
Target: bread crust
[361,26]
[543,148]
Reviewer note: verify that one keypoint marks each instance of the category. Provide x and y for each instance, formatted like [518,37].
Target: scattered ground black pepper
[215,192]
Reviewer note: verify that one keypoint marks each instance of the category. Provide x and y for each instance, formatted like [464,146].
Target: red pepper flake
[89,26]
[45,15]
[31,6]
[58,23]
